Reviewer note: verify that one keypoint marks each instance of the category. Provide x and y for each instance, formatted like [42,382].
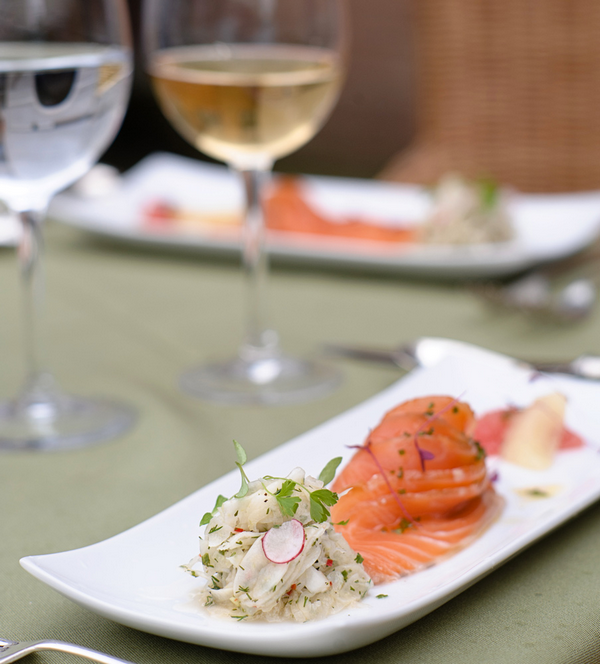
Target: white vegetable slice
[534,434]
[283,544]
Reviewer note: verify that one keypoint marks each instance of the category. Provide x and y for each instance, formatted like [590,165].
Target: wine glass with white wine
[247,82]
[65,71]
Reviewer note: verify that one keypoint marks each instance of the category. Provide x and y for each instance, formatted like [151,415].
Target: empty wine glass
[247,82]
[65,71]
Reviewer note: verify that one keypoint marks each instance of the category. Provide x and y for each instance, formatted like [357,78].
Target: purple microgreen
[425,455]
[367,448]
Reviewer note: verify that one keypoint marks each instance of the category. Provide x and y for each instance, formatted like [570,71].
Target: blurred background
[372,121]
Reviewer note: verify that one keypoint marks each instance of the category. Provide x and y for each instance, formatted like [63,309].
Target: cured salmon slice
[394,552]
[287,210]
[417,490]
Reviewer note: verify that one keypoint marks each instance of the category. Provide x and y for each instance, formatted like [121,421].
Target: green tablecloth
[125,322]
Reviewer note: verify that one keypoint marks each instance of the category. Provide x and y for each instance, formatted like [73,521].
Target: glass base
[269,381]
[64,423]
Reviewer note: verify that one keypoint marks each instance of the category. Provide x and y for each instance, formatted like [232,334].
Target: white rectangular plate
[547,227]
[135,578]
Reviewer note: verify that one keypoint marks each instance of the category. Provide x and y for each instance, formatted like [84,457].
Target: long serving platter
[135,578]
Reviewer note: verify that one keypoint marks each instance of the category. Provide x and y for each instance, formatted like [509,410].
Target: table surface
[125,322]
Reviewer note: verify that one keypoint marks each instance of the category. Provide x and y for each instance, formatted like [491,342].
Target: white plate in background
[547,227]
[135,577]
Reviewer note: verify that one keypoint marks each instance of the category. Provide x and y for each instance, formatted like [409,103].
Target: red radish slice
[283,544]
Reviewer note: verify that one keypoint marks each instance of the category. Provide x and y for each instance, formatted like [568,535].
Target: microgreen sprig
[320,499]
[241,460]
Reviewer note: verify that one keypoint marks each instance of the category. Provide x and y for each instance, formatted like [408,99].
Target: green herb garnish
[319,499]
[287,503]
[328,473]
[241,460]
[209,515]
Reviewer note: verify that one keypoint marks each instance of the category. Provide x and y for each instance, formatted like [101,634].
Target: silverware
[428,351]
[10,651]
[534,294]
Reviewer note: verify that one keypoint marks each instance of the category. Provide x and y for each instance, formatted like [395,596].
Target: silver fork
[428,351]
[10,651]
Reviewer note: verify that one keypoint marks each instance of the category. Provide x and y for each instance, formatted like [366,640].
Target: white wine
[246,105]
[60,106]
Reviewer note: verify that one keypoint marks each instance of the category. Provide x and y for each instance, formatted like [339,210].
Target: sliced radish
[283,544]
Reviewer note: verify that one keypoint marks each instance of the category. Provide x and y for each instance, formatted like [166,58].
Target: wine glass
[247,82]
[65,72]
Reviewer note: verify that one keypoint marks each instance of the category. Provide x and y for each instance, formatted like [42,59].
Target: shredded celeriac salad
[467,212]
[321,574]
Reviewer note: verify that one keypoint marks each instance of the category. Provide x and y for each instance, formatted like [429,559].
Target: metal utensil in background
[564,291]
[534,294]
[428,351]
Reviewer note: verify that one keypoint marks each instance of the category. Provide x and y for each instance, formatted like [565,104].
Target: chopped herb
[239,617]
[345,574]
[455,409]
[206,560]
[305,599]
[359,559]
[380,596]
[538,493]
[341,523]
[214,529]
[404,524]
[480,451]
[215,585]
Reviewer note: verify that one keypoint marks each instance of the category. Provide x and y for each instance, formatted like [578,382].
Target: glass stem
[259,342]
[39,384]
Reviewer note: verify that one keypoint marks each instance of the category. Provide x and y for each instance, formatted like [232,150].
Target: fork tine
[4,643]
